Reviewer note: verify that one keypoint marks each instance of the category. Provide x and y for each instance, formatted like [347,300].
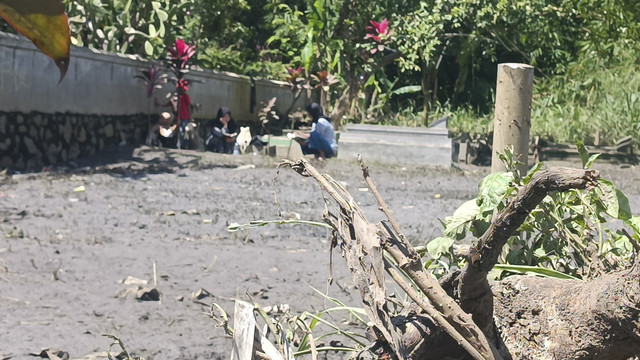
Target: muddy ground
[70,235]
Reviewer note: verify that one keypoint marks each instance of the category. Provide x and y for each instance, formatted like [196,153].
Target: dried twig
[430,310]
[451,318]
[362,238]
[362,250]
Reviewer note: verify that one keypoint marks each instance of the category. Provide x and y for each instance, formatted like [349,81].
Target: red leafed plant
[380,33]
[325,80]
[153,78]
[295,77]
[180,53]
[183,84]
[178,58]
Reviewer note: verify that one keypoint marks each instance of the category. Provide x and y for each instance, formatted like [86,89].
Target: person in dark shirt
[223,132]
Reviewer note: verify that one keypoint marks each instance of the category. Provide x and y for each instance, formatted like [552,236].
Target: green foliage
[453,46]
[421,35]
[288,31]
[309,332]
[305,37]
[596,96]
[465,120]
[125,26]
[565,234]
[584,50]
[232,36]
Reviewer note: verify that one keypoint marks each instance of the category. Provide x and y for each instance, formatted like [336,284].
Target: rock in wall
[35,140]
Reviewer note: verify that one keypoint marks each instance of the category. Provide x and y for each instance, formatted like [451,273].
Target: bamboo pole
[512,120]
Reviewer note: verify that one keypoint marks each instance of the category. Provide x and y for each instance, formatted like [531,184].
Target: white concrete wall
[101,83]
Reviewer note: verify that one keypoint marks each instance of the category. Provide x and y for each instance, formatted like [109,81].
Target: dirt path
[67,237]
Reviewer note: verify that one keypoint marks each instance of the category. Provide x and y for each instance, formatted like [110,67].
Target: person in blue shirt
[322,140]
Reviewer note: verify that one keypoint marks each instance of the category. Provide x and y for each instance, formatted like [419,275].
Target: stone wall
[43,122]
[35,140]
[103,83]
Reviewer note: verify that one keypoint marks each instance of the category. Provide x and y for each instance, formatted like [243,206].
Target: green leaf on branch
[492,189]
[634,223]
[537,167]
[439,246]
[162,15]
[307,51]
[584,153]
[616,204]
[152,31]
[148,48]
[587,160]
[591,160]
[44,22]
[459,223]
[408,90]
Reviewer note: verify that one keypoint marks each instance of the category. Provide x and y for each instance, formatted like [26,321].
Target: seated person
[223,133]
[163,133]
[322,140]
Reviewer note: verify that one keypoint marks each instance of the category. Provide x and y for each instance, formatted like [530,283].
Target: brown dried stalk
[361,238]
[458,324]
[362,250]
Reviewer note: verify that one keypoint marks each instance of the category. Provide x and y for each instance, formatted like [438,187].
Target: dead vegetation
[465,315]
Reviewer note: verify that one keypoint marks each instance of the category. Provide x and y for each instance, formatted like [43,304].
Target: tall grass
[461,120]
[466,120]
[597,95]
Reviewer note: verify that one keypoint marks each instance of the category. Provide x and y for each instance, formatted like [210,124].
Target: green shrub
[595,96]
[565,236]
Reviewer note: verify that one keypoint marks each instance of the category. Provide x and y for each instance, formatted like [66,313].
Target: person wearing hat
[165,130]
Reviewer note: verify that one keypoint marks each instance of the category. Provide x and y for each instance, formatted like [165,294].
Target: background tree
[441,57]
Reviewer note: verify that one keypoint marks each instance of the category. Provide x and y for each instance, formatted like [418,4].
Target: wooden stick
[409,261]
[431,311]
[383,206]
[452,318]
[244,326]
[155,275]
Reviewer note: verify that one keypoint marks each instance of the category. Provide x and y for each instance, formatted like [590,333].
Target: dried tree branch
[539,318]
[383,206]
[361,238]
[473,290]
[428,308]
[361,248]
[409,261]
